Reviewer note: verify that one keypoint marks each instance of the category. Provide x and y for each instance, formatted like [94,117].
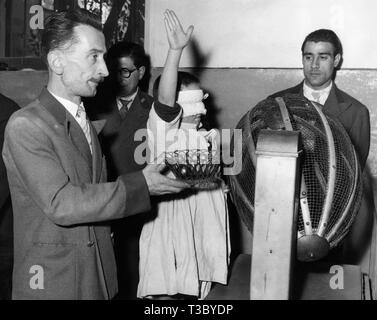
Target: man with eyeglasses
[125,107]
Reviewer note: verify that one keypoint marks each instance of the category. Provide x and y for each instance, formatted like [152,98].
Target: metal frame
[275,217]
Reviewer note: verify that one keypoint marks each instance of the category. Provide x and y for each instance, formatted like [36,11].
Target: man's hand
[158,184]
[177,38]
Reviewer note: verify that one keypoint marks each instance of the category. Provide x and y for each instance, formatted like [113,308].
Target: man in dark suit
[57,177]
[125,107]
[321,57]
[7,107]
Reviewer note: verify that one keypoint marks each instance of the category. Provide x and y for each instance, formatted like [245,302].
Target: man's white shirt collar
[323,93]
[70,106]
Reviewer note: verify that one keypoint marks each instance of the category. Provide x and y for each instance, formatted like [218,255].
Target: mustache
[97,80]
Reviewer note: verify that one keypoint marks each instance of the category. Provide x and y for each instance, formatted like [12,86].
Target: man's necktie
[316,96]
[84,124]
[124,110]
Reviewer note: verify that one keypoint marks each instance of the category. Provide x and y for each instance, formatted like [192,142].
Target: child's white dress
[186,247]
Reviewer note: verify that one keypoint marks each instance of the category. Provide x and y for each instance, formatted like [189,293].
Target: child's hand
[177,38]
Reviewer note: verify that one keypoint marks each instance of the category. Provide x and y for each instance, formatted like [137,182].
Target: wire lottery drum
[331,185]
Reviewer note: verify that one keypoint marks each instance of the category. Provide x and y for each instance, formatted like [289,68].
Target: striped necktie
[124,110]
[84,124]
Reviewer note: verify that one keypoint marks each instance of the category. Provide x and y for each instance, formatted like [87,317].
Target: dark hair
[184,79]
[324,35]
[126,49]
[58,28]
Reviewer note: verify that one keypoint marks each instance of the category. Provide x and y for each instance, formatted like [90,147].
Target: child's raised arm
[178,39]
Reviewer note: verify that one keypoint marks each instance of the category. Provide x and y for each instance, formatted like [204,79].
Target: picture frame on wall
[20,45]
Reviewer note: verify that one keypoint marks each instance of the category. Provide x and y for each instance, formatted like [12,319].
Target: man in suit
[125,107]
[57,176]
[7,107]
[321,57]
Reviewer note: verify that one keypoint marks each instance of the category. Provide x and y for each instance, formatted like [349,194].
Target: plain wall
[263,33]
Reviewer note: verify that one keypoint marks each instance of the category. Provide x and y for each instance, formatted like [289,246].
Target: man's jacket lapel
[335,104]
[137,115]
[78,139]
[96,155]
[72,128]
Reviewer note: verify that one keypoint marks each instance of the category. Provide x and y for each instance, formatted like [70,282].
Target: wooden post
[276,200]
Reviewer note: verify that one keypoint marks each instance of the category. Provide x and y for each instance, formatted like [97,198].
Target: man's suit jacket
[63,247]
[352,114]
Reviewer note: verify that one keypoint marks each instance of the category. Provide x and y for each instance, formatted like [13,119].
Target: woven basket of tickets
[199,168]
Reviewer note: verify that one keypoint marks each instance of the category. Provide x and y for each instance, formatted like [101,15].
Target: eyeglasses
[126,73]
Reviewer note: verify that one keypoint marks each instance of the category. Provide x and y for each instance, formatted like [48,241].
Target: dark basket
[200,168]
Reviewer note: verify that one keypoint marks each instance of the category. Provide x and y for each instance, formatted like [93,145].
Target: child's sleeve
[162,119]
[167,113]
